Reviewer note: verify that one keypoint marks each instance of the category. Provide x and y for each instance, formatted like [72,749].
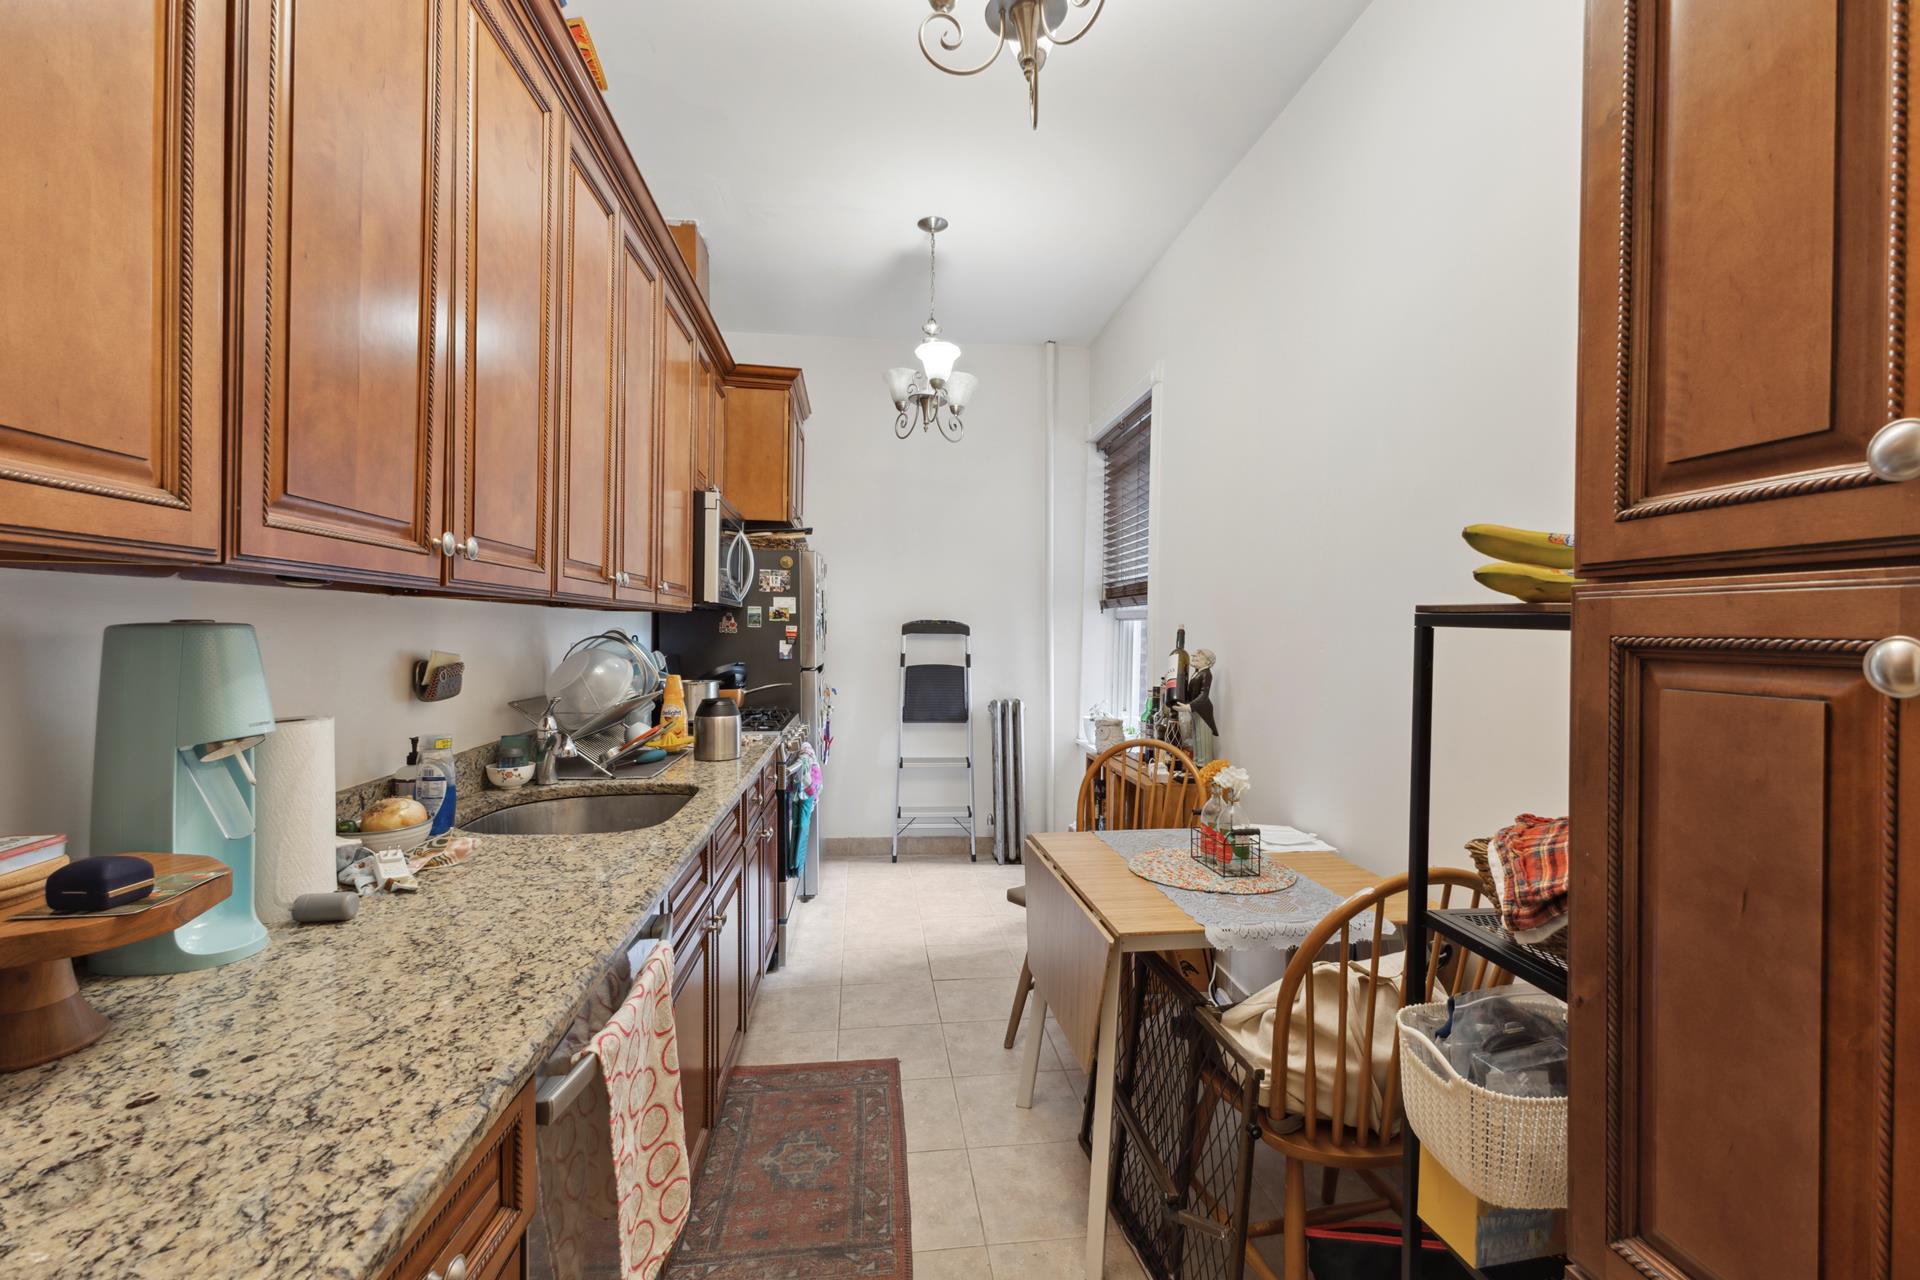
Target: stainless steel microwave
[722,556]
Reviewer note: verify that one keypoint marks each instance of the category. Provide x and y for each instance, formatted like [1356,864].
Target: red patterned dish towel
[640,1062]
[614,1165]
[1533,856]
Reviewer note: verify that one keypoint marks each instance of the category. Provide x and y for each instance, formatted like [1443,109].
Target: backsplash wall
[344,654]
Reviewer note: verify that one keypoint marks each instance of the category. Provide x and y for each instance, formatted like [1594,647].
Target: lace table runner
[1280,920]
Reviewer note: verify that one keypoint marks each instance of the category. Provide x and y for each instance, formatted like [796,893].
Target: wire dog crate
[1188,1103]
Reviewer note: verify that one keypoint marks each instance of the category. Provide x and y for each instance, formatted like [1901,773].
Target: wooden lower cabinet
[730,966]
[766,919]
[692,1023]
[479,1222]
[1746,1089]
[112,275]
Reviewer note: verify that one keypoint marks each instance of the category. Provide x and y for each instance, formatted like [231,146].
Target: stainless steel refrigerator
[780,631]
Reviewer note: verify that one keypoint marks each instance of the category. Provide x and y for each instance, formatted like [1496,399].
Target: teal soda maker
[182,705]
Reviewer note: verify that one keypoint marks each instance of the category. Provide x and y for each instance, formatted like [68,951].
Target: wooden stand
[42,1014]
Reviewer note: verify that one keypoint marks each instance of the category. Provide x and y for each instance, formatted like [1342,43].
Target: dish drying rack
[595,748]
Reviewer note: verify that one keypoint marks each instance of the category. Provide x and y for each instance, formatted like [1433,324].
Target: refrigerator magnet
[729,624]
[786,651]
[755,618]
[784,607]
[772,580]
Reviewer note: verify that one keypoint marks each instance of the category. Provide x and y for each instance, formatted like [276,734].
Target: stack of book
[25,864]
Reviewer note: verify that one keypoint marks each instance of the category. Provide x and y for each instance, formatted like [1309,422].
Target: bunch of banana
[1521,546]
[1531,566]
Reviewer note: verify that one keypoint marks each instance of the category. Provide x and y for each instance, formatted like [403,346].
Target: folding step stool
[935,693]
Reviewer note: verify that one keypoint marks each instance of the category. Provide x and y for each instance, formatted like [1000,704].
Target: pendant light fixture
[932,396]
[1030,28]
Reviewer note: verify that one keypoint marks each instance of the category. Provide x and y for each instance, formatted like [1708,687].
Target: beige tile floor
[917,961]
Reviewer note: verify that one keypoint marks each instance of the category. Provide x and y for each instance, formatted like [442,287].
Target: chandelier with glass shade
[934,396]
[1030,28]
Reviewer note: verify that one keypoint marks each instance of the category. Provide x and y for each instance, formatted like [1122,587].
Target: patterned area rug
[805,1178]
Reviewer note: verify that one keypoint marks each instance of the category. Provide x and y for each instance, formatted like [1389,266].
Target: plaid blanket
[1533,854]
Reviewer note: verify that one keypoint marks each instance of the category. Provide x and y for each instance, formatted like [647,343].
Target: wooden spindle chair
[1143,784]
[1361,1141]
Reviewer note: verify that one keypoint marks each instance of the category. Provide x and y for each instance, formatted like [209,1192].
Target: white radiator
[1006,722]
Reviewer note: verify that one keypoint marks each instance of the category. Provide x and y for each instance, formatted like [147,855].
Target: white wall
[923,528]
[344,654]
[1367,337]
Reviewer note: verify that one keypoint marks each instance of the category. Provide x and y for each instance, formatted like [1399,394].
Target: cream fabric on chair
[1251,1025]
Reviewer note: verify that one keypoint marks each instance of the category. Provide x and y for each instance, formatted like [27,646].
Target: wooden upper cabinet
[589,426]
[1745,325]
[510,180]
[638,506]
[111,245]
[797,485]
[1738,1058]
[340,445]
[764,445]
[703,406]
[678,383]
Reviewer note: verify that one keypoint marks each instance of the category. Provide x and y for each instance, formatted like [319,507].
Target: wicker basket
[1480,850]
[1505,1150]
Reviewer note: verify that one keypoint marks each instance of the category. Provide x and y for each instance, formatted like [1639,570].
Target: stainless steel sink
[581,815]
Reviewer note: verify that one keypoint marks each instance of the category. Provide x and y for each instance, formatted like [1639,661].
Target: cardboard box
[1485,1235]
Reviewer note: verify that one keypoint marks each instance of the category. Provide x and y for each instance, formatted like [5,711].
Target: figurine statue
[1200,689]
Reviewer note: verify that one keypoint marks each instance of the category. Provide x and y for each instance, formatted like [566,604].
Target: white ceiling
[807,136]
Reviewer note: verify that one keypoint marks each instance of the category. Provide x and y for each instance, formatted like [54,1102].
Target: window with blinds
[1125,451]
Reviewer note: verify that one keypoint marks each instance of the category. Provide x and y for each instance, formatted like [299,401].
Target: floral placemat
[1177,868]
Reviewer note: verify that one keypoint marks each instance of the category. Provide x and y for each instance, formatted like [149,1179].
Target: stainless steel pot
[716,730]
[698,691]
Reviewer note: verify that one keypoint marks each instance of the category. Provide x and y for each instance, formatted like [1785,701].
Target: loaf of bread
[393,813]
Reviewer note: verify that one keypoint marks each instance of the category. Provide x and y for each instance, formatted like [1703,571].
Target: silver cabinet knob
[625,579]
[447,545]
[456,1270]
[1894,452]
[472,548]
[1893,667]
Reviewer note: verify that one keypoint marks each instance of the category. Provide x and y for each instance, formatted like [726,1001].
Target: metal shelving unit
[1477,931]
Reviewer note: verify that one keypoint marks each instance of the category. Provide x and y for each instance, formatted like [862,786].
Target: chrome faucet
[549,745]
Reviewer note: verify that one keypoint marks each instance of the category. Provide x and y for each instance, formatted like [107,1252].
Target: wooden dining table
[1086,911]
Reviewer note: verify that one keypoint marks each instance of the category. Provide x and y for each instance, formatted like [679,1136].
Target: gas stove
[766,719]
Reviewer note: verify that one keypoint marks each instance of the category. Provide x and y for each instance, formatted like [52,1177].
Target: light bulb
[937,356]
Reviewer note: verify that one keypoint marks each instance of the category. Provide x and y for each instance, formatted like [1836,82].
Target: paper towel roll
[293,823]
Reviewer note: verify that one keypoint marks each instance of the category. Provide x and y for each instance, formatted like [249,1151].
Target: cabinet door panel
[1736,905]
[729,960]
[1744,327]
[340,448]
[112,225]
[691,1028]
[677,384]
[640,290]
[503,440]
[588,436]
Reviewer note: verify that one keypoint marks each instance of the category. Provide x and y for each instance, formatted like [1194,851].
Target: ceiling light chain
[1028,27]
[935,395]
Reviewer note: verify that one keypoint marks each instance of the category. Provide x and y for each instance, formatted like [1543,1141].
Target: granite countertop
[293,1113]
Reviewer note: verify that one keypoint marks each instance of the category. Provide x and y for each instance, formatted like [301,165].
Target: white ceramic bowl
[403,838]
[511,777]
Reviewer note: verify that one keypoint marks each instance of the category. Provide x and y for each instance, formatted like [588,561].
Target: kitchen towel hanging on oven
[630,1158]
